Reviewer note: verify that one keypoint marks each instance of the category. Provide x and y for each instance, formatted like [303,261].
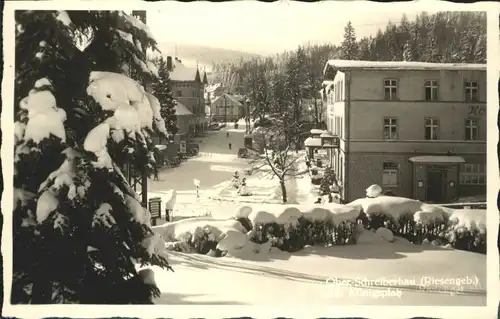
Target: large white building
[416,129]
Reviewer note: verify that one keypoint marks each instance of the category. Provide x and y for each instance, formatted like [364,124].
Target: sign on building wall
[477,111]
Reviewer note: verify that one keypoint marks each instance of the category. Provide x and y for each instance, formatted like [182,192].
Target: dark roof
[205,81]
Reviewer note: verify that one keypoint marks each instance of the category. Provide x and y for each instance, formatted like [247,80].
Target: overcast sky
[265,27]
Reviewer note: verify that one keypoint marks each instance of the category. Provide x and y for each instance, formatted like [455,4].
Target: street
[215,163]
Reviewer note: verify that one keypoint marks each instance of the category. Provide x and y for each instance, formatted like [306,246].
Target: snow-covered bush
[203,234]
[290,228]
[78,227]
[419,222]
[466,230]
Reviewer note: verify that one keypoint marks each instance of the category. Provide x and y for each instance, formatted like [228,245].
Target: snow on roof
[327,134]
[402,65]
[181,109]
[212,87]
[161,147]
[327,83]
[312,142]
[182,73]
[437,159]
[230,97]
[317,132]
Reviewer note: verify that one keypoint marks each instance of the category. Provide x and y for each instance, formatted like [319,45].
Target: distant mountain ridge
[204,56]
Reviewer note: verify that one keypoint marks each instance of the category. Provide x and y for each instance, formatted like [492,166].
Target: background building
[226,108]
[416,129]
[188,89]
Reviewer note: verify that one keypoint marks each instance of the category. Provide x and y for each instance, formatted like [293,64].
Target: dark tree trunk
[283,191]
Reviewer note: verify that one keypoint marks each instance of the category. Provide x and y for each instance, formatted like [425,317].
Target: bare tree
[280,157]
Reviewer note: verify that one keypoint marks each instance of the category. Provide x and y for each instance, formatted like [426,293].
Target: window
[390,89]
[390,174]
[471,129]
[472,174]
[390,129]
[179,93]
[471,91]
[431,129]
[431,90]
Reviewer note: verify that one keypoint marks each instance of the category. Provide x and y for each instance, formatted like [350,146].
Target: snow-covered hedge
[420,222]
[291,227]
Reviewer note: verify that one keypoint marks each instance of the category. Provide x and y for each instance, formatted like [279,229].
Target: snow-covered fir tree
[408,51]
[79,230]
[349,46]
[327,181]
[163,92]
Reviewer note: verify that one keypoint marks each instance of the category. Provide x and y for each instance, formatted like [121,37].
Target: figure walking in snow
[227,134]
[156,173]
[230,146]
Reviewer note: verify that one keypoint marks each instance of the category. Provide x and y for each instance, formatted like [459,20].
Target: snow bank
[380,236]
[168,198]
[468,219]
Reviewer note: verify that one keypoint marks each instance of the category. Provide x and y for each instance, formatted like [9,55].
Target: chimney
[169,63]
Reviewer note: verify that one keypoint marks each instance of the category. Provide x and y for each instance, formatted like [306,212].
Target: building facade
[416,129]
[188,89]
[226,108]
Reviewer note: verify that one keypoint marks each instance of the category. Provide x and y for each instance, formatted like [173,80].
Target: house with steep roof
[212,91]
[184,118]
[188,89]
[226,108]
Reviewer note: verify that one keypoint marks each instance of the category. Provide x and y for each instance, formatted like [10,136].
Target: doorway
[435,186]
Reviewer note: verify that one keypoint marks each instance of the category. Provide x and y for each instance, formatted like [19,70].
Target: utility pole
[141,15]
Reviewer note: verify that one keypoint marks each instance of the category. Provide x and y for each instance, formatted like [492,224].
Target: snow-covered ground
[396,273]
[386,273]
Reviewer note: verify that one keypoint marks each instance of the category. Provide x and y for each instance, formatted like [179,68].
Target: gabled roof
[401,65]
[183,73]
[229,97]
[181,109]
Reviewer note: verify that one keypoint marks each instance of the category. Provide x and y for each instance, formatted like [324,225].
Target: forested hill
[448,37]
